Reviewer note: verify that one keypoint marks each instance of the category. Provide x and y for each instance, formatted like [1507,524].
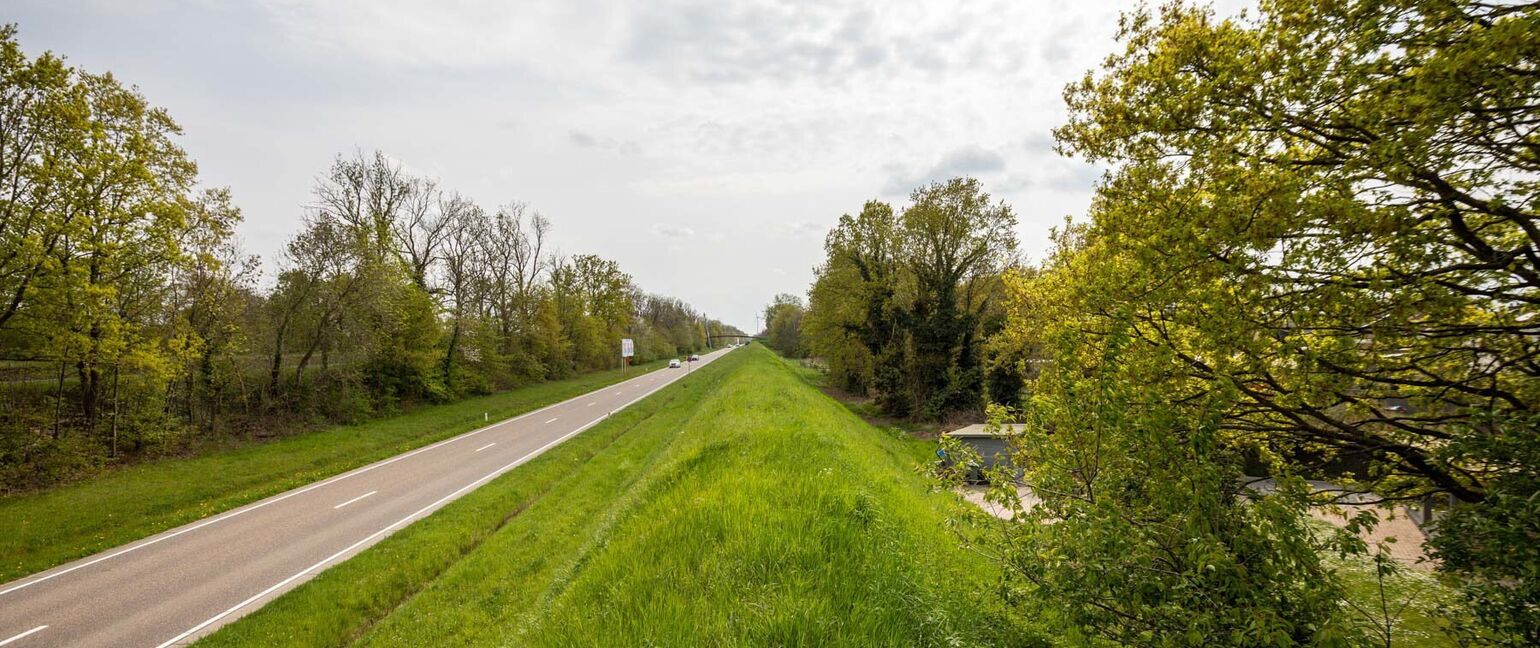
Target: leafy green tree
[593,303]
[317,293]
[845,325]
[464,227]
[127,221]
[783,324]
[1319,234]
[212,297]
[1142,530]
[43,122]
[955,243]
[916,291]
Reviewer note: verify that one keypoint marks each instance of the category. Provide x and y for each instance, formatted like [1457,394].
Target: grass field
[1409,608]
[48,528]
[738,507]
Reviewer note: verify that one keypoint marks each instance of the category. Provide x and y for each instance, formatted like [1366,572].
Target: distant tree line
[131,322]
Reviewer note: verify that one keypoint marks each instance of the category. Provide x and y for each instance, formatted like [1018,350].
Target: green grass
[740,507]
[43,529]
[1417,604]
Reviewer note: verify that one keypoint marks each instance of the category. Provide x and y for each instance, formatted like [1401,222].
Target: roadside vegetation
[1313,257]
[43,529]
[1315,254]
[133,325]
[737,507]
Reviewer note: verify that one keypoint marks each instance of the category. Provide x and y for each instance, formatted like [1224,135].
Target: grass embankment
[739,507]
[48,528]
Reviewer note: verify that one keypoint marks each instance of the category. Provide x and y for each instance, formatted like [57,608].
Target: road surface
[173,587]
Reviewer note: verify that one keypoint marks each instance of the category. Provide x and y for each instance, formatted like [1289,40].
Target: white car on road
[673,364]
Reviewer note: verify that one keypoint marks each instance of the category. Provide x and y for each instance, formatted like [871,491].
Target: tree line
[1316,255]
[132,323]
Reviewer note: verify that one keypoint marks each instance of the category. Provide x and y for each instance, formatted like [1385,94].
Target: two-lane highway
[173,587]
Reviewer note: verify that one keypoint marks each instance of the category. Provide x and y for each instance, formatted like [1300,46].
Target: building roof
[981,430]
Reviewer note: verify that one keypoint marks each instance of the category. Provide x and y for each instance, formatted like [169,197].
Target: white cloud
[969,161]
[583,139]
[802,229]
[743,119]
[667,230]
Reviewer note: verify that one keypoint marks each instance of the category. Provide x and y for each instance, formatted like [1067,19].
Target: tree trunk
[115,371]
[315,343]
[274,374]
[89,377]
[449,356]
[206,369]
[58,402]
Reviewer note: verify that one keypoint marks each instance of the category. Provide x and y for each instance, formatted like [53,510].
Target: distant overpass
[738,336]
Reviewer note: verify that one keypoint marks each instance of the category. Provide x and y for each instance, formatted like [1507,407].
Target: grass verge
[48,528]
[741,507]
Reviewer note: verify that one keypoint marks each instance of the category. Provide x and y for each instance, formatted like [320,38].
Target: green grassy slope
[740,507]
[44,529]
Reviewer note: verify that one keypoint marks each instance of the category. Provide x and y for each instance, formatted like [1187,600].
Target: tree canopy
[1315,254]
[903,303]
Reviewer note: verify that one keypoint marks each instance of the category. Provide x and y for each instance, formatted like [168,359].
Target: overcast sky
[706,145]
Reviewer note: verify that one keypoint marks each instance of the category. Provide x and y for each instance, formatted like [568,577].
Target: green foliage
[1316,248]
[837,306]
[1143,533]
[904,303]
[94,224]
[783,325]
[1495,548]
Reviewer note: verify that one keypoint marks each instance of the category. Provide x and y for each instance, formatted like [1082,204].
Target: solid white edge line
[172,533]
[486,446]
[419,512]
[24,634]
[354,500]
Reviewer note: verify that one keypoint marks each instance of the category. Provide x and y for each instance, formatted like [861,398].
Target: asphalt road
[173,587]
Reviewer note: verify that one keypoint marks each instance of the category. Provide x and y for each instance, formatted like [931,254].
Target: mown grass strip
[526,518]
[778,519]
[49,528]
